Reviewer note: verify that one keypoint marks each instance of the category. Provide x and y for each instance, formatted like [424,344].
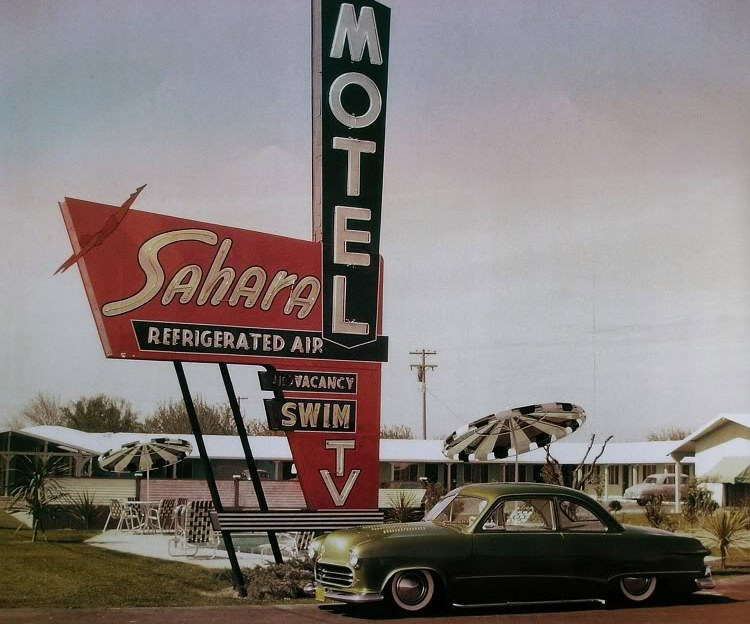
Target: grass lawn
[64,572]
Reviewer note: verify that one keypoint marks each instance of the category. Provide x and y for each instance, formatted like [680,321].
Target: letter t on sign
[339,497]
[341,447]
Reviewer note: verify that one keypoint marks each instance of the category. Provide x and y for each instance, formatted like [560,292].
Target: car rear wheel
[637,589]
[412,590]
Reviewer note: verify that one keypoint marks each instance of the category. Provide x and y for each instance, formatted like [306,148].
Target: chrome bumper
[706,581]
[309,589]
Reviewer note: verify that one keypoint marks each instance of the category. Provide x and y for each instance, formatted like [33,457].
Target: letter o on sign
[337,108]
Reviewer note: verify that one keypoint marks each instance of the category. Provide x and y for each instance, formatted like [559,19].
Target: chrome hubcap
[411,588]
[636,585]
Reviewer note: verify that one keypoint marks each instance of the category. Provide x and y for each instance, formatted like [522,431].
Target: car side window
[577,518]
[531,514]
[669,481]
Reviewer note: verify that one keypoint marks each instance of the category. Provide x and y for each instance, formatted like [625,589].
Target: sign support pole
[249,459]
[238,579]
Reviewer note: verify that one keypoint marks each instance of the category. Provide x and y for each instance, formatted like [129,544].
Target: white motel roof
[399,451]
[688,444]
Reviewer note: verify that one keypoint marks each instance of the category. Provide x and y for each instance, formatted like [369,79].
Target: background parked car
[659,486]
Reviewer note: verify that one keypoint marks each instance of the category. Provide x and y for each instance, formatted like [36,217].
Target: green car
[506,543]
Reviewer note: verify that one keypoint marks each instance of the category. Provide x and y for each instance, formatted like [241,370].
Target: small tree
[698,502]
[668,433]
[43,409]
[101,414]
[259,428]
[171,417]
[36,488]
[725,529]
[581,475]
[396,432]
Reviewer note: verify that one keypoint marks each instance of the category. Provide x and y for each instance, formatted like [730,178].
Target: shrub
[657,516]
[615,506]
[276,581]
[597,483]
[83,509]
[433,493]
[698,502]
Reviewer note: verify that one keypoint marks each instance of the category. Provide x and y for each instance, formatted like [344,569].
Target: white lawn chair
[121,511]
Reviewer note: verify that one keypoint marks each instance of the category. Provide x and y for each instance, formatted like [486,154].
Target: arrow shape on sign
[339,498]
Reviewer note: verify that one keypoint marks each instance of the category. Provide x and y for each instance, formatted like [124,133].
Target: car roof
[491,491]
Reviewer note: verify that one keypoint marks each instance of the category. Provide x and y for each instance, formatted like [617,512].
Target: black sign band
[249,341]
[310,381]
[311,415]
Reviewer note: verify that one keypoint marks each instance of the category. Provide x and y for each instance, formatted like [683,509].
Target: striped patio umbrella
[141,456]
[513,431]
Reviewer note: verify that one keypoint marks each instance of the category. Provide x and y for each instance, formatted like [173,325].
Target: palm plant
[725,530]
[36,489]
[404,508]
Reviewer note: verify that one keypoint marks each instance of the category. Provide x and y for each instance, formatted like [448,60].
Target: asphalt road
[729,603]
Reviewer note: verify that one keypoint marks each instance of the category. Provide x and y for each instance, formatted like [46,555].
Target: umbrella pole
[148,485]
[237,577]
[515,448]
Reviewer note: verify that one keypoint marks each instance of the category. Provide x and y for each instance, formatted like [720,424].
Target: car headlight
[311,552]
[354,559]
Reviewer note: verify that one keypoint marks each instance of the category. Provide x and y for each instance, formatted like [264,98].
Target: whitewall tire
[412,590]
[637,589]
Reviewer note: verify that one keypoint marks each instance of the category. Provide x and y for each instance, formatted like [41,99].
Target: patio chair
[301,542]
[178,544]
[120,511]
[166,514]
[193,530]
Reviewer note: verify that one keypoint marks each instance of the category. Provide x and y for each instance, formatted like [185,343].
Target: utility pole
[422,376]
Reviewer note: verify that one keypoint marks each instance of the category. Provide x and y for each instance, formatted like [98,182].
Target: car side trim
[528,603]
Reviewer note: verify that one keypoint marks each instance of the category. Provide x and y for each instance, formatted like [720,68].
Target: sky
[566,199]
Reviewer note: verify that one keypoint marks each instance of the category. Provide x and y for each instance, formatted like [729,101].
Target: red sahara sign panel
[166,288]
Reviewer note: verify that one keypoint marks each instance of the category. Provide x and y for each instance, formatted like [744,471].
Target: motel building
[718,452]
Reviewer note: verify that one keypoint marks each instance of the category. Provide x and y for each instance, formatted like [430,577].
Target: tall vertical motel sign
[309,312]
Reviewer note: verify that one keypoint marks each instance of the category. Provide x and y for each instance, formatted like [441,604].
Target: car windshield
[650,480]
[456,510]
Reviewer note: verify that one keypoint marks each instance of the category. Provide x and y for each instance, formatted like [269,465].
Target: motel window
[405,472]
[614,475]
[476,473]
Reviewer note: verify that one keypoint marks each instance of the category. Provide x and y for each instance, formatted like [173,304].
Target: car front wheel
[412,590]
[637,589]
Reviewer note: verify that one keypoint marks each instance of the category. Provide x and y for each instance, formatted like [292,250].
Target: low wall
[279,494]
[101,490]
